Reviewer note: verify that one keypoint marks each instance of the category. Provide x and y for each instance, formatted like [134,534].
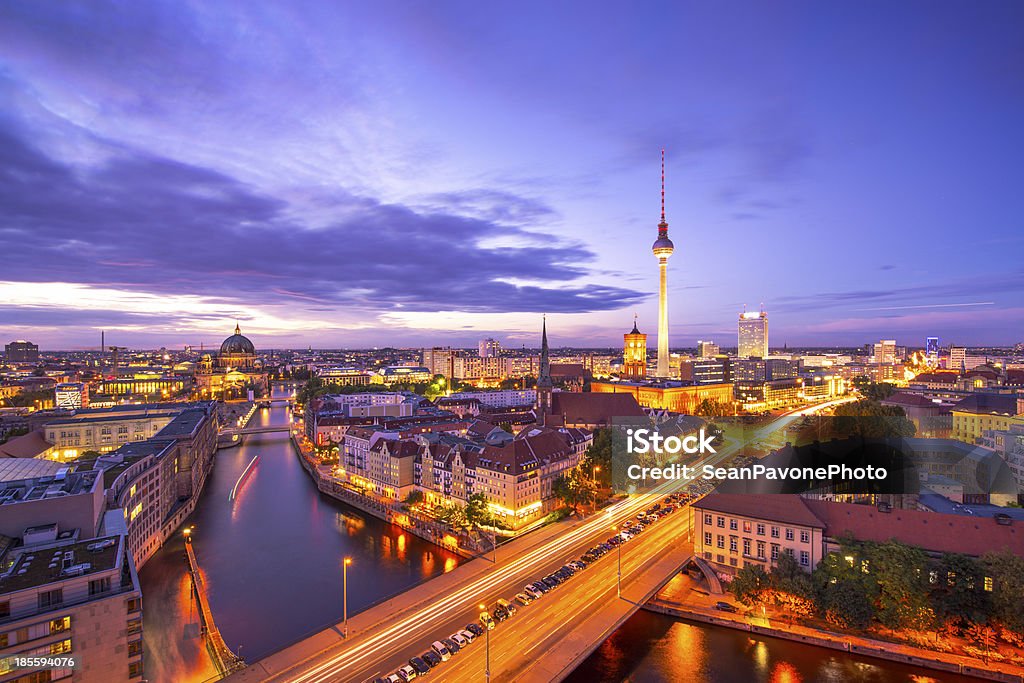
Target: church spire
[544,384]
[238,330]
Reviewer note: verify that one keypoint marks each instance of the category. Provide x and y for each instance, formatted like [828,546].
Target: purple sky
[356,174]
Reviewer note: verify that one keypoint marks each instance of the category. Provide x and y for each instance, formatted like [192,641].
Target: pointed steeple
[544,373]
[238,330]
[634,330]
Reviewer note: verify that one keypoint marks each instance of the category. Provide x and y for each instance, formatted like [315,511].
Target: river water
[272,565]
[272,561]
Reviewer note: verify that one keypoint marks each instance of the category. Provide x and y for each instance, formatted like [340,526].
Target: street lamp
[188,534]
[487,641]
[344,599]
[618,550]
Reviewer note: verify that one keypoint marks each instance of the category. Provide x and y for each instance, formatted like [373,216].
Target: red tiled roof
[25,446]
[933,531]
[784,508]
[594,408]
[936,378]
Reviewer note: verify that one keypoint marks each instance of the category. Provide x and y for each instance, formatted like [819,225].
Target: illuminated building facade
[673,396]
[22,351]
[71,396]
[752,335]
[931,351]
[634,354]
[707,349]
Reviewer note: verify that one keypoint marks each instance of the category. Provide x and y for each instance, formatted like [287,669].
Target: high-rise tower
[662,249]
[752,335]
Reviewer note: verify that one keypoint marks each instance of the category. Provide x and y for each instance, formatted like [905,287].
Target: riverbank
[682,600]
[433,533]
[224,659]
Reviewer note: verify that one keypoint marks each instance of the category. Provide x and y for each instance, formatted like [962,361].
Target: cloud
[142,222]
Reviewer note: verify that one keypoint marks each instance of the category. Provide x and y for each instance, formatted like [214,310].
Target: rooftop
[36,566]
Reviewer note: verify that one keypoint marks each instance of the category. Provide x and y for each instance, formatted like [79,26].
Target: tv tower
[663,248]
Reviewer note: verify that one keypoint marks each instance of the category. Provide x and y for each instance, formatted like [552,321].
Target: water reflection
[272,561]
[654,648]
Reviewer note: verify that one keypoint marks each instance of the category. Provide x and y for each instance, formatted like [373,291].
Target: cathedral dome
[237,344]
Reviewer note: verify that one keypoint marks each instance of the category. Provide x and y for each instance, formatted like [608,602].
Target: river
[653,648]
[272,561]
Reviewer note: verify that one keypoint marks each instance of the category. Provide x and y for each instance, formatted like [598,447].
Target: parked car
[407,673]
[725,607]
[460,640]
[452,646]
[523,599]
[509,607]
[500,614]
[474,629]
[394,678]
[443,652]
[487,621]
[431,658]
[421,666]
[533,591]
[468,635]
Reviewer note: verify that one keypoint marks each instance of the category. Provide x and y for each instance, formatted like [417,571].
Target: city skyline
[358,177]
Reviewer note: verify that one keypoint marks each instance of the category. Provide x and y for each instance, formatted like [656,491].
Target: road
[523,639]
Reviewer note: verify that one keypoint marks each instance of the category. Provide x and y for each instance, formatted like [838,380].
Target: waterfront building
[707,349]
[237,371]
[143,384]
[489,347]
[67,593]
[346,376]
[752,335]
[663,249]
[105,429]
[732,531]
[21,351]
[634,354]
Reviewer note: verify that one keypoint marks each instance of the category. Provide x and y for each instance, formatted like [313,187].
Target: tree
[750,586]
[600,454]
[711,408]
[453,515]
[900,570]
[477,511]
[870,419]
[573,489]
[1007,573]
[960,594]
[415,497]
[846,604]
[871,390]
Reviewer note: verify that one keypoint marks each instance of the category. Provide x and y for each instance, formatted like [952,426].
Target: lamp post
[487,641]
[618,550]
[593,477]
[344,599]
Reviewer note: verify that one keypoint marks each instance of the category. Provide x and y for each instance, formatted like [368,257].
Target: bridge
[267,429]
[545,641]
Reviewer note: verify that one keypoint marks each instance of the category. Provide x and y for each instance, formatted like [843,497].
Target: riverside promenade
[224,659]
[683,599]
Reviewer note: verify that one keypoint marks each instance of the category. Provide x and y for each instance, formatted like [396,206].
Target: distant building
[439,360]
[931,351]
[499,398]
[401,374]
[634,354]
[707,349]
[22,351]
[884,352]
[237,371]
[71,396]
[489,347]
[752,335]
[979,413]
[957,356]
[704,370]
[677,397]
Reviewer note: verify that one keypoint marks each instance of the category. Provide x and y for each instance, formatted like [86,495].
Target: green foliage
[711,408]
[415,497]
[477,512]
[871,420]
[1007,600]
[873,391]
[900,571]
[600,453]
[27,399]
[750,585]
[846,604]
[573,489]
[959,593]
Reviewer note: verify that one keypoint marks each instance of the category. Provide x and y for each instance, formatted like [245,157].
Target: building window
[58,625]
[97,586]
[775,552]
[732,561]
[134,605]
[135,648]
[5,609]
[789,534]
[134,669]
[721,522]
[134,626]
[805,536]
[60,647]
[805,558]
[720,541]
[707,538]
[48,599]
[746,527]
[732,544]
[746,547]
[707,518]
[760,550]
[988,583]
[775,532]
[760,529]
[733,525]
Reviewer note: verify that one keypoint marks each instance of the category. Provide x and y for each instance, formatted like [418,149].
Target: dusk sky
[407,173]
